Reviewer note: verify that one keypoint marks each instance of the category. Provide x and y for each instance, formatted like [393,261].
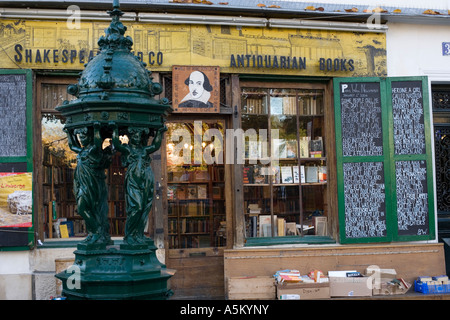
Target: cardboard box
[381,282]
[350,287]
[251,288]
[387,289]
[305,291]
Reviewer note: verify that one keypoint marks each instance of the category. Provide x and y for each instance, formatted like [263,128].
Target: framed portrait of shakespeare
[196,89]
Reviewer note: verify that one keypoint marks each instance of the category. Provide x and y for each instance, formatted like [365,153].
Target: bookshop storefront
[283,144]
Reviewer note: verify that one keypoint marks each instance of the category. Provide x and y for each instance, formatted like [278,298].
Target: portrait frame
[196,89]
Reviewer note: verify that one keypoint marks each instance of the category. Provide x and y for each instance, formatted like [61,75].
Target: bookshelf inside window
[58,201]
[195,186]
[59,162]
[285,163]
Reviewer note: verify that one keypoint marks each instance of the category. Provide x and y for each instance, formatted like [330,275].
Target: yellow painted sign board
[53,45]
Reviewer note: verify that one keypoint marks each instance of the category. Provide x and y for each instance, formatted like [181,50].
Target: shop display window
[59,162]
[58,209]
[285,162]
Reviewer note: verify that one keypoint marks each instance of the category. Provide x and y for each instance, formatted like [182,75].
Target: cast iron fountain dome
[115,85]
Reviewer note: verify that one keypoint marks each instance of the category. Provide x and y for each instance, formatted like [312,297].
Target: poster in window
[196,89]
[16,203]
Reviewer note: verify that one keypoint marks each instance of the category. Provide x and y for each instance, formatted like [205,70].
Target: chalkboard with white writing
[364,198]
[361,121]
[383,159]
[13,120]
[408,115]
[412,197]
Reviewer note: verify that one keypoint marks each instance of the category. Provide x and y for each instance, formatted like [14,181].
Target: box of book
[251,288]
[304,291]
[385,281]
[343,286]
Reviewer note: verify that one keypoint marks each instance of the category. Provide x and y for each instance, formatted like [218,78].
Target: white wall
[416,50]
[30,274]
[15,276]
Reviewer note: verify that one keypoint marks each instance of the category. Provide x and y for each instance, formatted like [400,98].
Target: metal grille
[223,91]
[167,84]
[441,100]
[442,151]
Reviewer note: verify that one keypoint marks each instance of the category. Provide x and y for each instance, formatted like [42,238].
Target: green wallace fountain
[115,96]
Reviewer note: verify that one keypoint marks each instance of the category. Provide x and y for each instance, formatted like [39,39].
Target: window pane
[286,207]
[54,140]
[59,163]
[284,192]
[59,204]
[54,95]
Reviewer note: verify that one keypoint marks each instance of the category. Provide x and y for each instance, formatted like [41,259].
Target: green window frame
[420,163]
[27,159]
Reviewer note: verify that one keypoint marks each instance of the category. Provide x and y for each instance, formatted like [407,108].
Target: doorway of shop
[197,206]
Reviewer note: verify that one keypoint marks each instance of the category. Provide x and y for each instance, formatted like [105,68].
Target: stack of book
[253,210]
[290,276]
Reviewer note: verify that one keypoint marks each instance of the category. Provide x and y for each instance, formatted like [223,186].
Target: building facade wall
[48,45]
[417,49]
